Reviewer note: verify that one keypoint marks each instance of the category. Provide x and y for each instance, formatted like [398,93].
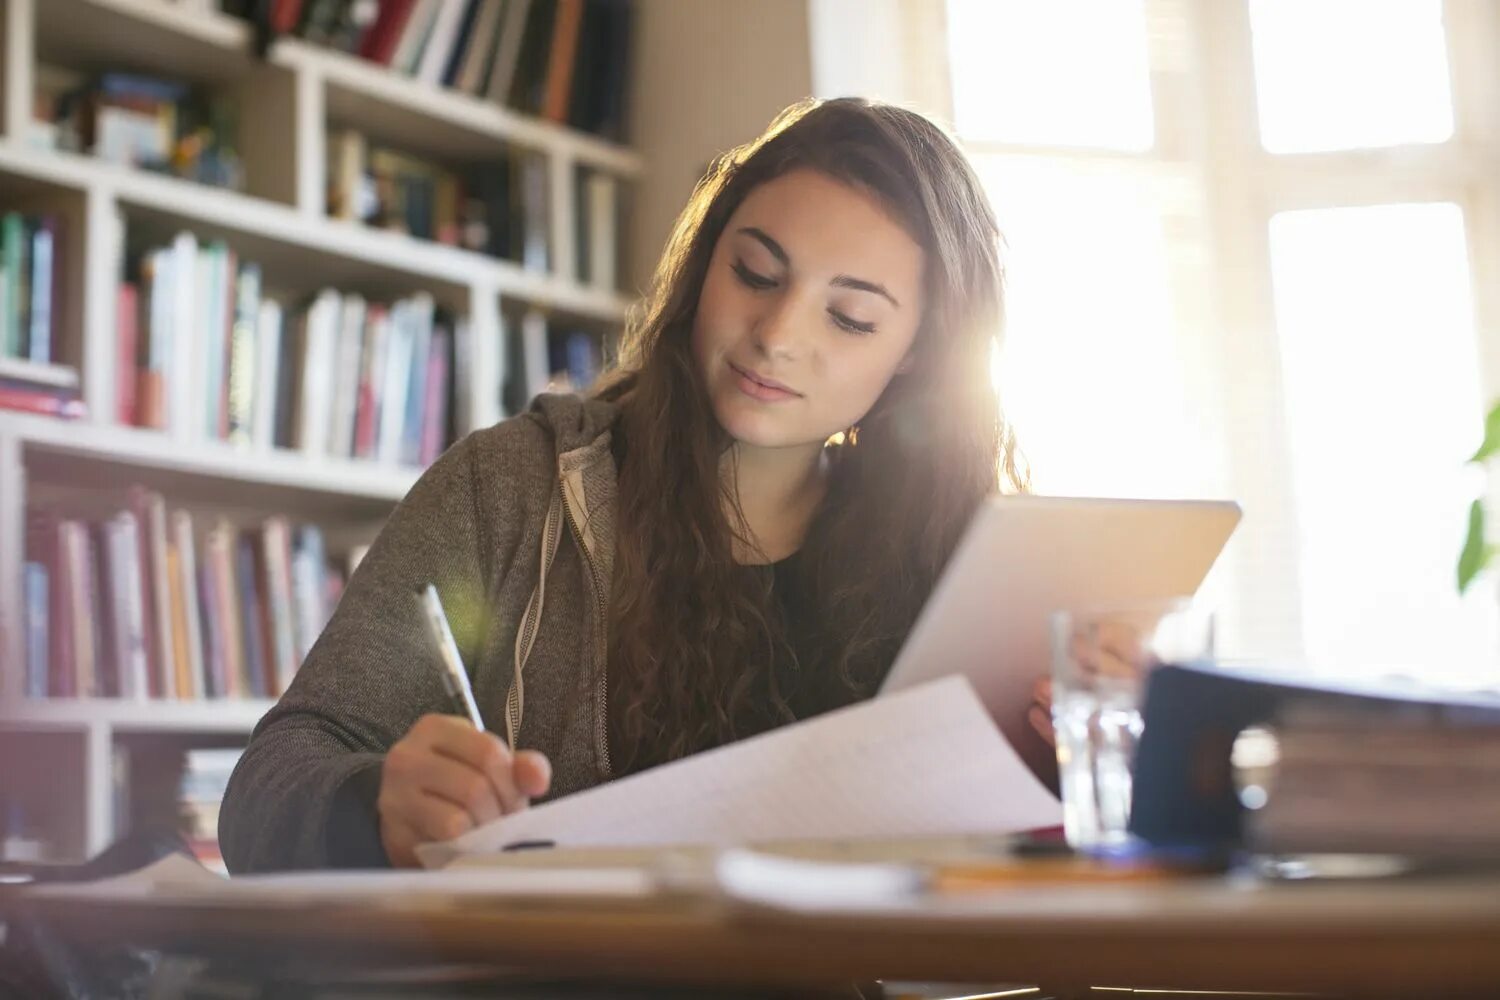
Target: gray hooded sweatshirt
[515,527]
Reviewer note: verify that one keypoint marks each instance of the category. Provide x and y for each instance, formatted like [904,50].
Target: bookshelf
[288,103]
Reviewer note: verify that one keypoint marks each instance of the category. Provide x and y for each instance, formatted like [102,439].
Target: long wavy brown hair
[693,636]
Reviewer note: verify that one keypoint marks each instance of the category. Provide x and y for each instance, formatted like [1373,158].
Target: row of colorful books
[151,604]
[29,279]
[200,795]
[498,207]
[206,354]
[564,60]
[165,788]
[549,357]
[147,122]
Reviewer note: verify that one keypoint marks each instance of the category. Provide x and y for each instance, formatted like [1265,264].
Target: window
[1088,57]
[1342,74]
[1199,308]
[1379,360]
[1093,382]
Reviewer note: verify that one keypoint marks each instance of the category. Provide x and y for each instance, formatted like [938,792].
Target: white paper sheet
[926,761]
[178,877]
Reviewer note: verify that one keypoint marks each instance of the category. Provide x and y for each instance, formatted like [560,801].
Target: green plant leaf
[1475,553]
[1491,444]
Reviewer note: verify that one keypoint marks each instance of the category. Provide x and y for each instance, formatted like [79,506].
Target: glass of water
[1100,659]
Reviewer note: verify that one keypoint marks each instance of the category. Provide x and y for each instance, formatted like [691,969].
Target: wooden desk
[1428,937]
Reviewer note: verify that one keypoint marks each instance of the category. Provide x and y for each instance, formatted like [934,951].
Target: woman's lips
[762,389]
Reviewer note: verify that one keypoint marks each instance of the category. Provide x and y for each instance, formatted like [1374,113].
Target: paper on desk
[178,877]
[926,761]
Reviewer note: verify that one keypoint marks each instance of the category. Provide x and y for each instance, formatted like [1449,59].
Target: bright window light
[1381,379]
[1051,72]
[1091,374]
[1349,74]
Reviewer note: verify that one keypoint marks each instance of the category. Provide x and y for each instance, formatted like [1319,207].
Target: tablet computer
[1024,557]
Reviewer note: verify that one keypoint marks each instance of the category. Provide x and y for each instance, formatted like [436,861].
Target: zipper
[601,723]
[529,626]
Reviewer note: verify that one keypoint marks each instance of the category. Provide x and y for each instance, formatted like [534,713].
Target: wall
[707,75]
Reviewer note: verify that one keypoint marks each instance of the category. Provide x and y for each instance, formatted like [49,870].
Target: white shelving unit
[287,104]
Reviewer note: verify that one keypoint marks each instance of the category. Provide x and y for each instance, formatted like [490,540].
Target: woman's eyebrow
[768,243]
[842,281]
[861,285]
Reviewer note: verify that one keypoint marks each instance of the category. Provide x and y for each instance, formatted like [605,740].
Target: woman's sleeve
[308,777]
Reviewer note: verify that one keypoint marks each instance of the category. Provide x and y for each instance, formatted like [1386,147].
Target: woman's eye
[853,326]
[752,280]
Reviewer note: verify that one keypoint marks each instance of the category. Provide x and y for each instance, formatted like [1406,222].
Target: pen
[455,677]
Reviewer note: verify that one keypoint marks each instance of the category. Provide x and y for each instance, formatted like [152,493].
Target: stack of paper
[927,761]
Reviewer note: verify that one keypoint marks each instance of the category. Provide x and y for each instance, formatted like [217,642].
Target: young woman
[735,531]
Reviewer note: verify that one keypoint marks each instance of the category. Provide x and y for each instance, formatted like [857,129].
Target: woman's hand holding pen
[445,777]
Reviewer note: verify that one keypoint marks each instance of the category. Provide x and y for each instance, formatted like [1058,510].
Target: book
[213,328]
[507,52]
[480,53]
[434,432]
[400,344]
[1380,779]
[128,369]
[83,594]
[229,605]
[310,609]
[126,607]
[46,542]
[200,793]
[156,585]
[347,367]
[609,113]
[43,281]
[349,193]
[421,315]
[36,591]
[440,41]
[153,123]
[244,374]
[560,63]
[155,331]
[338,375]
[13,257]
[315,374]
[601,210]
[414,36]
[528,86]
[52,402]
[189,610]
[268,339]
[463,41]
[109,631]
[537,372]
[276,560]
[371,383]
[583,359]
[1314,764]
[588,62]
[188,361]
[379,43]
[251,617]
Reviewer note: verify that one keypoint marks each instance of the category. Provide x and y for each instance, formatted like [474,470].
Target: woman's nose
[783,328]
